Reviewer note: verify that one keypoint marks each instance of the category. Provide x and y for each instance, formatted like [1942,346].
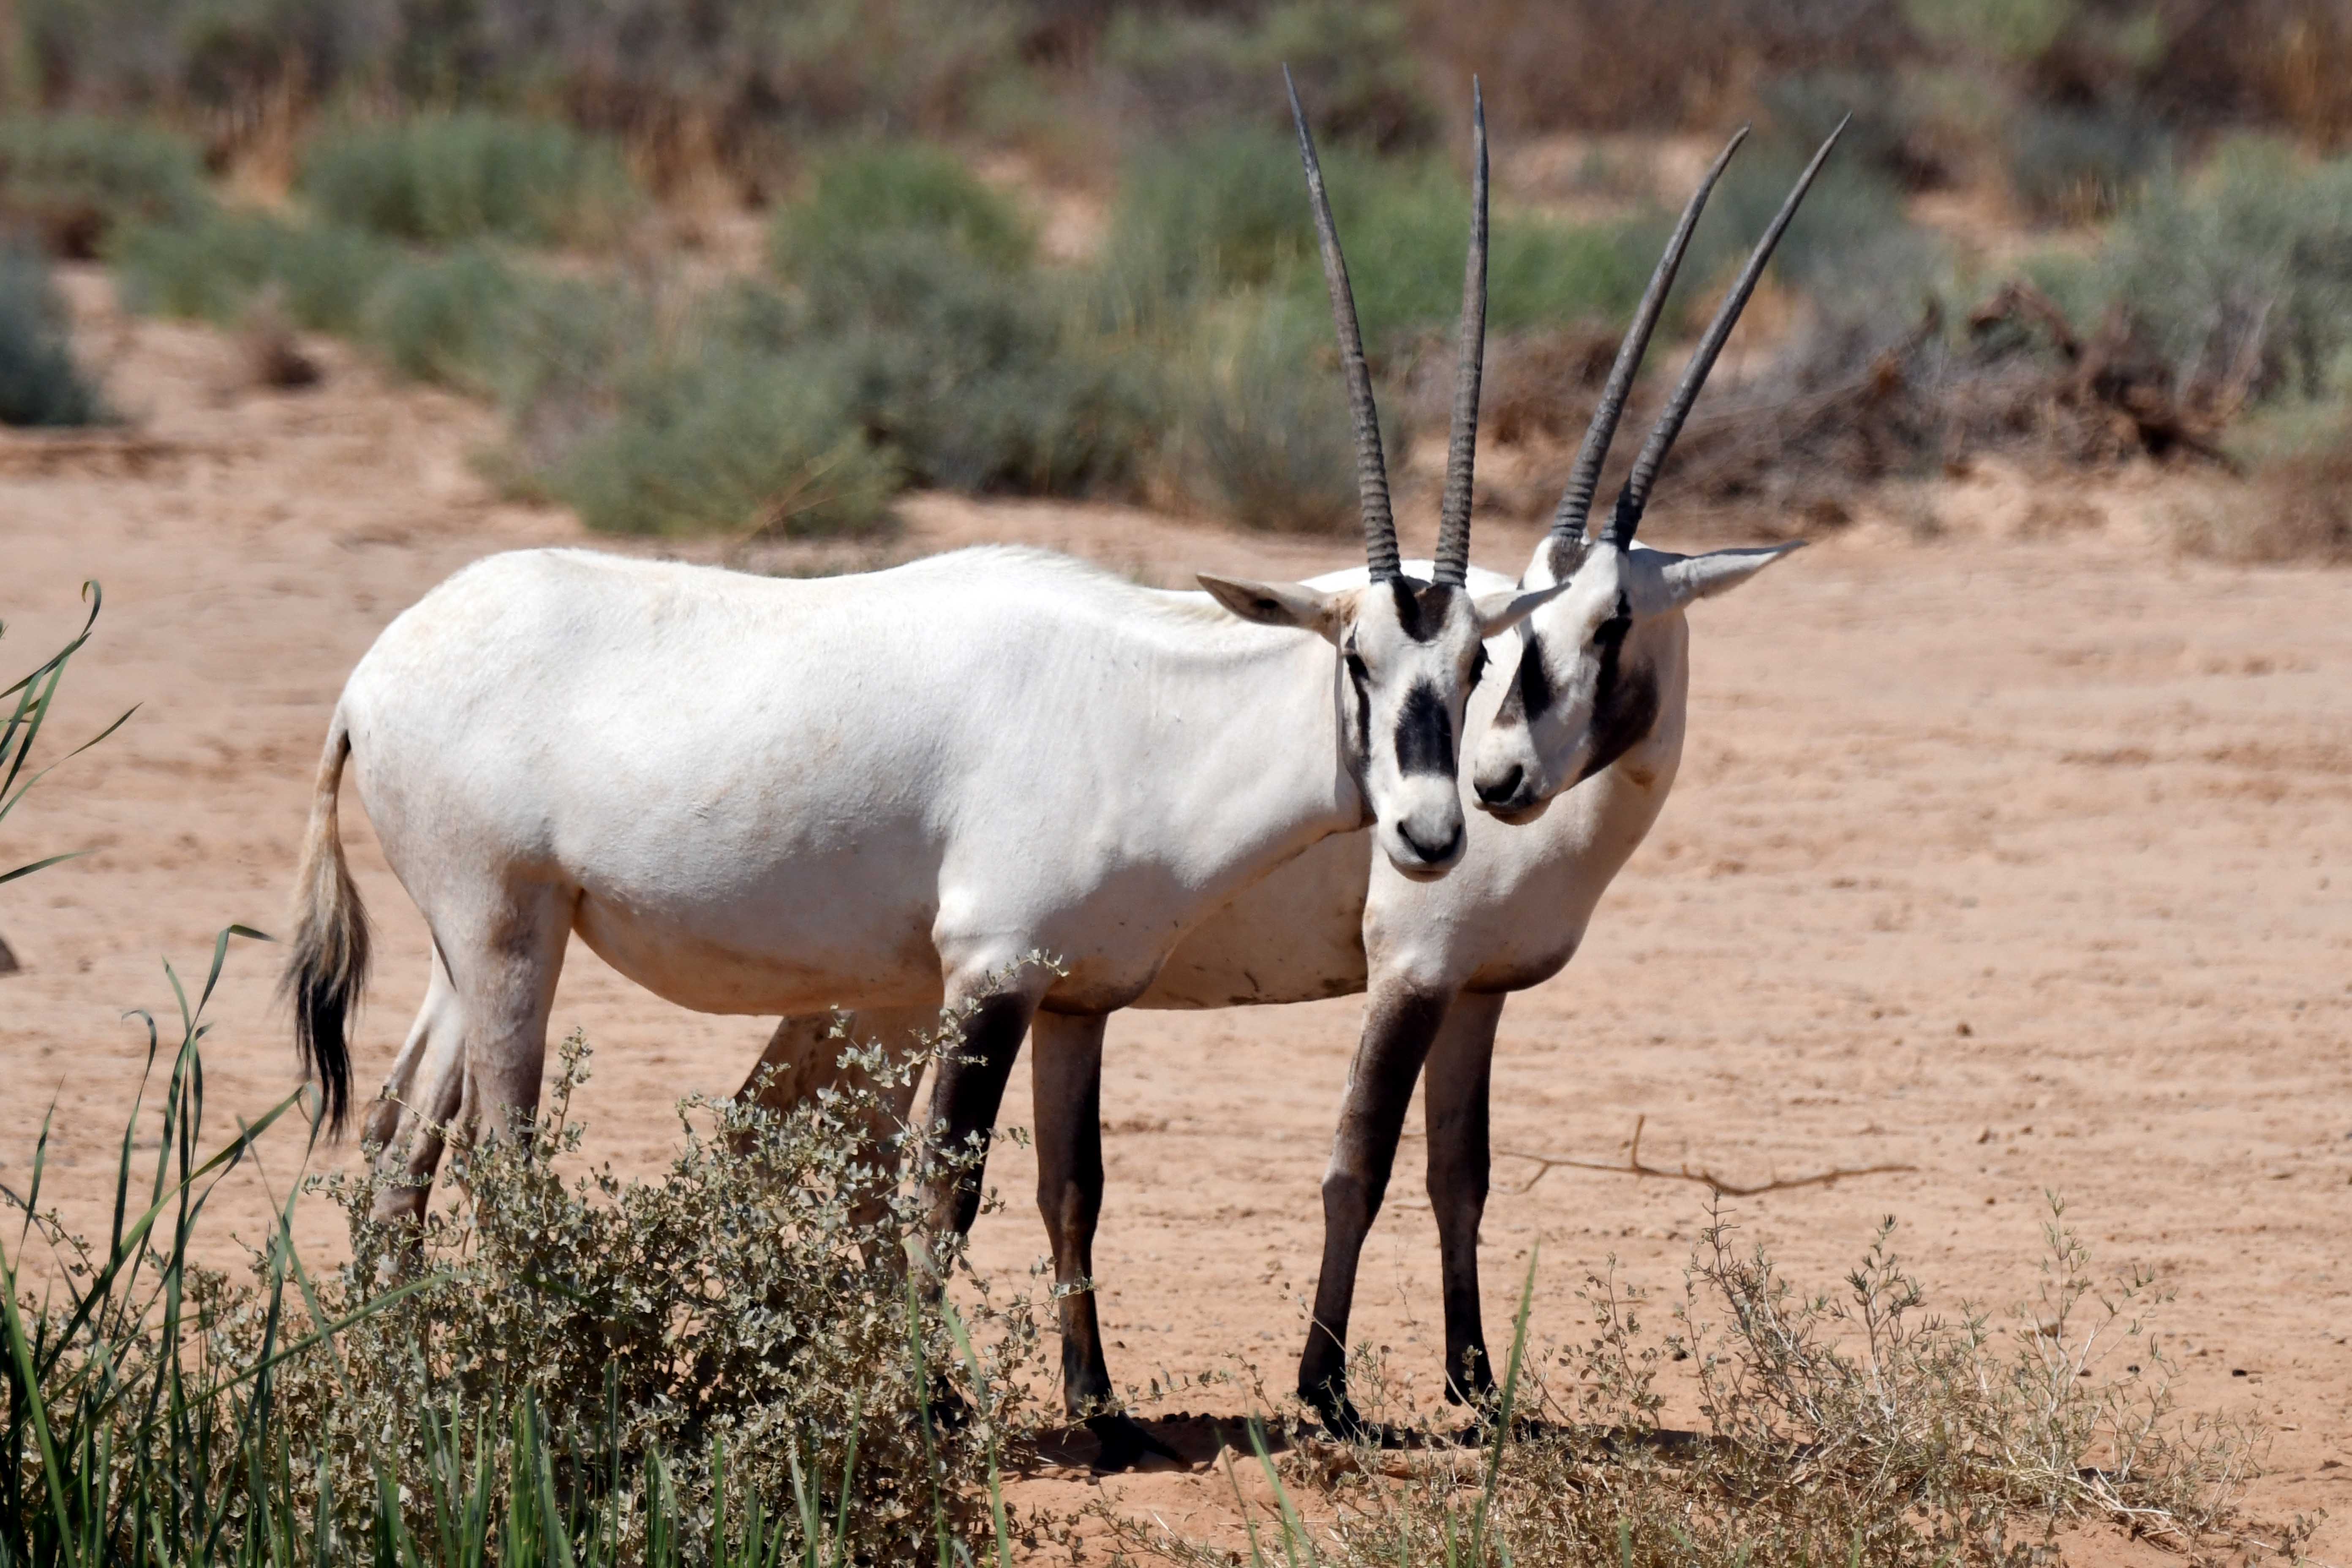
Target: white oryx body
[889,792]
[764,795]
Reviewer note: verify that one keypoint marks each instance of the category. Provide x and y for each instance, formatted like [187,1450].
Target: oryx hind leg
[804,1059]
[1065,1073]
[504,947]
[1455,1099]
[419,1099]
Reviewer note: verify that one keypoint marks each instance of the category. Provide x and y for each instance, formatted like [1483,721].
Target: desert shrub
[1200,216]
[1259,429]
[446,319]
[41,382]
[213,269]
[2244,271]
[735,441]
[897,189]
[442,178]
[1229,211]
[70,181]
[1355,66]
[914,290]
[1852,206]
[726,1364]
[2074,166]
[1837,1427]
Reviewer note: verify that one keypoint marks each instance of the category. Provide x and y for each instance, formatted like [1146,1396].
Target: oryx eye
[1613,629]
[1356,671]
[1478,665]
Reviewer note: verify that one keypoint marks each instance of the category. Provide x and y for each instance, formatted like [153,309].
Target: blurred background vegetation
[760,265]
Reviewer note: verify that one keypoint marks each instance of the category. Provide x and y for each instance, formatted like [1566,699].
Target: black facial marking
[1361,680]
[1477,667]
[1531,693]
[1420,607]
[1425,733]
[1624,700]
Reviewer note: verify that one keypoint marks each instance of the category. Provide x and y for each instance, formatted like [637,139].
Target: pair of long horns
[1453,566]
[1576,500]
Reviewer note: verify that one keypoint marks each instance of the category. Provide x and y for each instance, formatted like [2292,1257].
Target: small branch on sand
[1547,1164]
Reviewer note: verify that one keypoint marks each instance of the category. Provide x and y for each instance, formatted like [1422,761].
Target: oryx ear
[1278,603]
[1501,611]
[1719,571]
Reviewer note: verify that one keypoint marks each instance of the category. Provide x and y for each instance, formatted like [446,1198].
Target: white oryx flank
[1593,710]
[884,792]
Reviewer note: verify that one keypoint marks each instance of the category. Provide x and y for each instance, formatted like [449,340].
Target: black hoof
[947,1411]
[1126,1443]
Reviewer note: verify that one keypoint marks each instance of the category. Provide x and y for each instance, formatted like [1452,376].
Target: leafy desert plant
[726,1365]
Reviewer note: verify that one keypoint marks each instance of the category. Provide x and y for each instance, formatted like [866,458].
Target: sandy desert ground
[2007,857]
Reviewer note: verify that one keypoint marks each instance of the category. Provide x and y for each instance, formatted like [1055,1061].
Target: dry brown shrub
[1849,1425]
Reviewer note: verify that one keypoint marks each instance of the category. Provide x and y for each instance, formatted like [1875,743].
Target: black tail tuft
[328,968]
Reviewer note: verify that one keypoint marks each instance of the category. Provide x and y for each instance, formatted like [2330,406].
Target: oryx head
[1408,649]
[1586,689]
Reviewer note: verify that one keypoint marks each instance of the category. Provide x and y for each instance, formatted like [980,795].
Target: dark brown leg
[1398,1027]
[1454,1100]
[1065,1070]
[967,1090]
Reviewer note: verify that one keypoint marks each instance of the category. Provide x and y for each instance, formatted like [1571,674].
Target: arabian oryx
[1593,710]
[885,792]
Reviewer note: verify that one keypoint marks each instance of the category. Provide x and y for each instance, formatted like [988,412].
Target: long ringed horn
[1635,496]
[1576,500]
[1371,468]
[1461,445]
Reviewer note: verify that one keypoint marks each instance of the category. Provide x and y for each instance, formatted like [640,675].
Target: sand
[2009,859]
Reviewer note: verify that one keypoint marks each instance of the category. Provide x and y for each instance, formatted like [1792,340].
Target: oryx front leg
[968,1087]
[1399,1026]
[1454,1103]
[1065,1073]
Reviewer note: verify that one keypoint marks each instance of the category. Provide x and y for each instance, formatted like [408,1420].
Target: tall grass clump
[213,269]
[726,1365]
[1259,429]
[439,179]
[41,382]
[730,441]
[1845,1427]
[913,286]
[71,180]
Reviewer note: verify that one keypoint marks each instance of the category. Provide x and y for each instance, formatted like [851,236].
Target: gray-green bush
[441,178]
[2245,266]
[41,382]
[70,181]
[730,441]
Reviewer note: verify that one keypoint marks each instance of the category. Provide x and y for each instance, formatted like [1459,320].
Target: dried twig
[1547,1164]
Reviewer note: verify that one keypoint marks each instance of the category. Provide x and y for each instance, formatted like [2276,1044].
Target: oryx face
[1409,653]
[1585,689]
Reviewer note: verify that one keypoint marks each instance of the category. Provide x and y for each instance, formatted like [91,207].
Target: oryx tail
[329,966]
